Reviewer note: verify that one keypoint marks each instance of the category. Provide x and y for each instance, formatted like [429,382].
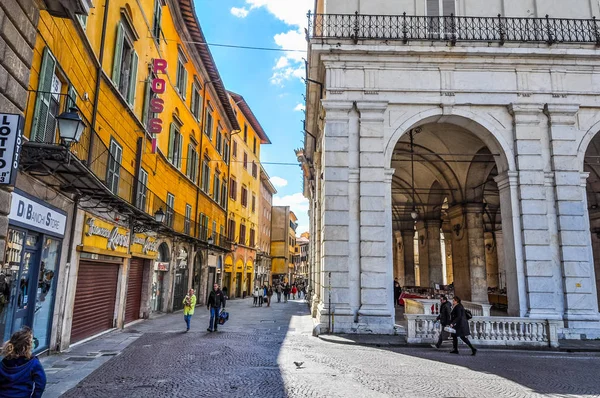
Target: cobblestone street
[254,355]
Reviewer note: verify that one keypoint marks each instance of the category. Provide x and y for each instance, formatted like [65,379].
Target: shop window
[170,213]
[125,63]
[196,105]
[244,196]
[188,218]
[156,21]
[175,146]
[192,163]
[142,190]
[113,170]
[206,176]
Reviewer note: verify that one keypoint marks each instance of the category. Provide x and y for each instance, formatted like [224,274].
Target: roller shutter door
[95,299]
[134,290]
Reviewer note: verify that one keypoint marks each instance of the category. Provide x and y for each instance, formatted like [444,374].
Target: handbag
[450,330]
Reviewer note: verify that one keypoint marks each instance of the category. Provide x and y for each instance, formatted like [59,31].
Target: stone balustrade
[478,309]
[421,306]
[490,331]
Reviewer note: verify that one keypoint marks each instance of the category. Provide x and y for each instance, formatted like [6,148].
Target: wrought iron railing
[453,28]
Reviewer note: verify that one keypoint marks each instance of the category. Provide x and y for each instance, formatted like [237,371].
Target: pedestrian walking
[261,296]
[216,300]
[255,296]
[294,291]
[460,323]
[189,304]
[278,290]
[397,292]
[444,319]
[21,373]
[286,293]
[269,295]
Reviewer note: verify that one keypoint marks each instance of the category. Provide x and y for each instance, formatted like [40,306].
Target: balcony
[89,170]
[453,29]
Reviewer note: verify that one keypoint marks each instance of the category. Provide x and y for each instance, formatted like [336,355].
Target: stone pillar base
[369,322]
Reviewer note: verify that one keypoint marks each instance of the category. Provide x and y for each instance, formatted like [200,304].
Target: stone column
[595,231]
[500,254]
[376,311]
[335,215]
[539,231]
[491,259]
[449,260]
[430,253]
[408,243]
[574,239]
[423,248]
[460,253]
[399,258]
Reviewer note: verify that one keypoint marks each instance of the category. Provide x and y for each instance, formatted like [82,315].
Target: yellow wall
[71,47]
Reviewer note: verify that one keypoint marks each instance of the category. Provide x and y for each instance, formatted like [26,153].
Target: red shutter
[134,290]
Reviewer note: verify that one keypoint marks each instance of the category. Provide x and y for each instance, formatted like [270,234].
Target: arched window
[163,253]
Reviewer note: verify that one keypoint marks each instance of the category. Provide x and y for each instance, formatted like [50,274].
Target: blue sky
[268,80]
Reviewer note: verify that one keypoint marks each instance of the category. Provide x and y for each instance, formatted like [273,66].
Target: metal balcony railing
[453,28]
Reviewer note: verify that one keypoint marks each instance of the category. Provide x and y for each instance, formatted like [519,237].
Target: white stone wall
[537,107]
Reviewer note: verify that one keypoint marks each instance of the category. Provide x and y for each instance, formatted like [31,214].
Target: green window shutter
[193,100]
[132,78]
[147,98]
[180,145]
[184,87]
[171,143]
[71,98]
[42,102]
[116,73]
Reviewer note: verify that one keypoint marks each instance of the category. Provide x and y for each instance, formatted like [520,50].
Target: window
[246,133]
[234,148]
[170,213]
[254,146]
[253,203]
[219,144]
[214,230]
[242,240]
[196,105]
[148,96]
[245,161]
[181,76]
[222,230]
[231,230]
[156,29]
[187,221]
[446,6]
[124,74]
[201,221]
[175,146]
[206,176]
[224,193]
[47,106]
[233,189]
[113,170]
[226,151]
[254,170]
[82,20]
[216,188]
[142,190]
[252,237]
[244,196]
[208,124]
[192,163]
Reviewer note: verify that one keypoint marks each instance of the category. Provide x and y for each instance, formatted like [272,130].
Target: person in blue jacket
[21,373]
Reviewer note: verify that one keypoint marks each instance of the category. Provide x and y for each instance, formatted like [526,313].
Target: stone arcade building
[468,137]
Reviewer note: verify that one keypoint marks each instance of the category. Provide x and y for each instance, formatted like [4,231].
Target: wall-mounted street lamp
[70,127]
[159,216]
[211,241]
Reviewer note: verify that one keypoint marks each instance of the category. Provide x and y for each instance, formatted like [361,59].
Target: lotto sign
[11,140]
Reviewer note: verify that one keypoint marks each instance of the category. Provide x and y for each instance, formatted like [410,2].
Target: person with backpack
[460,323]
[216,300]
[444,319]
[21,373]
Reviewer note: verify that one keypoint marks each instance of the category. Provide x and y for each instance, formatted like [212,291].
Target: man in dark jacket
[216,300]
[444,318]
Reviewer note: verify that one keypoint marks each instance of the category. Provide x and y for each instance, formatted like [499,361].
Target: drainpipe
[67,270]
[98,77]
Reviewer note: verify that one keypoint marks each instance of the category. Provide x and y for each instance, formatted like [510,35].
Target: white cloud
[297,202]
[278,182]
[239,12]
[293,13]
[299,108]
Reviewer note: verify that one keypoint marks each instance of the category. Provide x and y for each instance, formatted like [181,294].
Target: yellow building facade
[244,200]
[158,124]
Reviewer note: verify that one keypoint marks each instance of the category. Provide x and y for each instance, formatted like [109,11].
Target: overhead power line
[240,47]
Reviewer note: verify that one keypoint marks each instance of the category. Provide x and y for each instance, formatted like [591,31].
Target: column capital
[465,208]
[584,177]
[372,111]
[507,179]
[526,114]
[336,110]
[389,174]
[562,114]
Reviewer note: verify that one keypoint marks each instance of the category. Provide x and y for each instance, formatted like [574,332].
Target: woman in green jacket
[189,303]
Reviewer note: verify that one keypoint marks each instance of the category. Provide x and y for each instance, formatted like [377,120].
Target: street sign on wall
[11,140]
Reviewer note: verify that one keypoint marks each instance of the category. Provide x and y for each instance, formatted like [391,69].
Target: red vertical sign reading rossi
[157,105]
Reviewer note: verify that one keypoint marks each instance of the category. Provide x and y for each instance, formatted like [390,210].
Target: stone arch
[164,253]
[489,131]
[435,199]
[584,144]
[478,175]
